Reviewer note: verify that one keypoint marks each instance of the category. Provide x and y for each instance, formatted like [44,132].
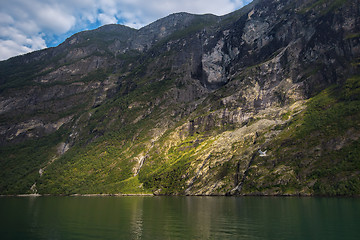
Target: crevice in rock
[239,185]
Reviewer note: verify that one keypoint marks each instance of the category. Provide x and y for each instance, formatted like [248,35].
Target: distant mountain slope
[183,106]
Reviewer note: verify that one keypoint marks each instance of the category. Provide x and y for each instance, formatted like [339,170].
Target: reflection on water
[136,218]
[179,218]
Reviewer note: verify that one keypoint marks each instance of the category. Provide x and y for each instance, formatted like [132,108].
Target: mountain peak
[183,105]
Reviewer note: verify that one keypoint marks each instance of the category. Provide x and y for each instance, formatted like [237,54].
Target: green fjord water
[179,218]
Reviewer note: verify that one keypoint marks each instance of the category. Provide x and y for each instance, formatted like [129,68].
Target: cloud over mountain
[32,25]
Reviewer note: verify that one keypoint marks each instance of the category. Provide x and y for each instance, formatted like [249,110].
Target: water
[179,218]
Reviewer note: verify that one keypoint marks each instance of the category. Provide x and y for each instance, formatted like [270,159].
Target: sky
[30,25]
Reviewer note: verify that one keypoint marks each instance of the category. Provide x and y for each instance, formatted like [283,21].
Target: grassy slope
[105,164]
[20,164]
[319,145]
[317,151]
[335,116]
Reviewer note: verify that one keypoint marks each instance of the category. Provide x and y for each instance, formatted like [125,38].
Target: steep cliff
[183,106]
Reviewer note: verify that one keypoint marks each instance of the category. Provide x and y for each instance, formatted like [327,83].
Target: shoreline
[112,195]
[155,195]
[79,195]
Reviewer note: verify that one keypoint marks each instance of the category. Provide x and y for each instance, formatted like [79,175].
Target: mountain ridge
[183,105]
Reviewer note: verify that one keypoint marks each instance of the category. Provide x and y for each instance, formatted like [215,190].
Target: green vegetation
[198,24]
[20,163]
[332,6]
[351,36]
[106,165]
[97,75]
[14,74]
[338,172]
[320,143]
[86,170]
[334,111]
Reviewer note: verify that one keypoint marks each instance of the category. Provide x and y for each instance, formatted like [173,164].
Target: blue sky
[29,25]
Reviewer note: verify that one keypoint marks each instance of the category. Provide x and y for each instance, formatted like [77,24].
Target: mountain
[183,106]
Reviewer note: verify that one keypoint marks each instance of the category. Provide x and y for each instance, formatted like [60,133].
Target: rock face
[183,105]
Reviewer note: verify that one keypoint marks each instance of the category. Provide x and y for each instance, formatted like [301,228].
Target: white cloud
[107,19]
[26,25]
[5,18]
[21,45]
[55,20]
